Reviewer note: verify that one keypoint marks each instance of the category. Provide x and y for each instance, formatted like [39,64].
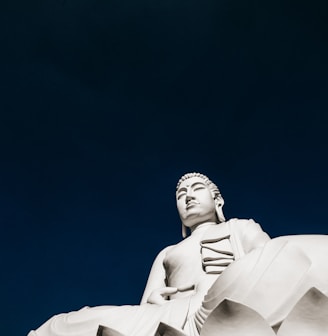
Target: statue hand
[159,296]
[186,288]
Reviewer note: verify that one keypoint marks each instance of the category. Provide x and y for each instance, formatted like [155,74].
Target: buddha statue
[190,282]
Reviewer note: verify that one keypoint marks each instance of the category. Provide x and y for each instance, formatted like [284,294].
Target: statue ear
[184,231]
[219,202]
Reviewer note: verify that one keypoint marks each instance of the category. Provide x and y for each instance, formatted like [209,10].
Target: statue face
[195,202]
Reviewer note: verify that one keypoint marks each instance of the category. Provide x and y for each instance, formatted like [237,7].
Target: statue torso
[183,265]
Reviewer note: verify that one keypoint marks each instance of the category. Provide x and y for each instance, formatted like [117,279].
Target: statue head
[198,201]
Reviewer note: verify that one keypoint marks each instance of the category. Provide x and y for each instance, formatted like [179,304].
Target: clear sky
[105,104]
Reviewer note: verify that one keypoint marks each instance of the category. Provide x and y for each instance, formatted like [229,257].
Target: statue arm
[157,275]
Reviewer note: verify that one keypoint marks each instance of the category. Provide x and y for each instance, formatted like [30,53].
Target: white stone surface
[268,287]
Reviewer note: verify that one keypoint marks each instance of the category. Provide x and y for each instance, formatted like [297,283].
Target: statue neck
[201,227]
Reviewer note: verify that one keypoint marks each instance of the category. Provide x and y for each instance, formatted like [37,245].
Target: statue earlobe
[219,202]
[184,231]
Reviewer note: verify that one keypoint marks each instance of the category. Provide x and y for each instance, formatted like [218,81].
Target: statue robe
[219,246]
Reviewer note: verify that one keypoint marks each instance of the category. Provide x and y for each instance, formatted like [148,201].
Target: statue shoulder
[243,224]
[162,254]
[249,233]
[240,221]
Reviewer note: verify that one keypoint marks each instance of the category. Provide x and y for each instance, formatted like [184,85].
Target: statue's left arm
[157,276]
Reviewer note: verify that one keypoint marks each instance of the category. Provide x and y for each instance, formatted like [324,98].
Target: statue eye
[181,195]
[199,188]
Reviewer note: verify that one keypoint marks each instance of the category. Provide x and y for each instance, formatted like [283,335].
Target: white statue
[192,291]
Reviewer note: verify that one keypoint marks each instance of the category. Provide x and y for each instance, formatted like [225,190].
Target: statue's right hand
[160,296]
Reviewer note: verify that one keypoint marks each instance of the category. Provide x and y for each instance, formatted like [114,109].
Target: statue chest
[183,262]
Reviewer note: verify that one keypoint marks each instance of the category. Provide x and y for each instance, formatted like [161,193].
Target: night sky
[105,104]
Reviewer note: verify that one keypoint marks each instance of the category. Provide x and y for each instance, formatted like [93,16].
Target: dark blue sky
[105,104]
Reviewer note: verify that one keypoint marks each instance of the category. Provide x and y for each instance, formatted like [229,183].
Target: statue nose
[189,197]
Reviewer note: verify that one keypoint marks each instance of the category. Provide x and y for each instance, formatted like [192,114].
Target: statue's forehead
[192,180]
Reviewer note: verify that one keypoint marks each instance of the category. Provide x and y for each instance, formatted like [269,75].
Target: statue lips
[191,204]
